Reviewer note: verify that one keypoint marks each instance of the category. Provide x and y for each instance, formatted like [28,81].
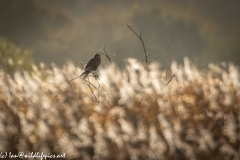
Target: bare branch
[89,84]
[74,78]
[45,79]
[104,49]
[82,66]
[98,88]
[140,37]
[92,91]
[164,52]
[83,80]
[170,79]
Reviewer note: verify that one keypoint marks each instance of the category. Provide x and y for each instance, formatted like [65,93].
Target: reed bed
[129,113]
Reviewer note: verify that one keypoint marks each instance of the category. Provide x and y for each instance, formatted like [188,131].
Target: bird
[92,65]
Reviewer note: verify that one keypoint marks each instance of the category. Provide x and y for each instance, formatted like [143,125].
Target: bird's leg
[95,74]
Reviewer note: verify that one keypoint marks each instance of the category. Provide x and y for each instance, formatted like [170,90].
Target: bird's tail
[84,74]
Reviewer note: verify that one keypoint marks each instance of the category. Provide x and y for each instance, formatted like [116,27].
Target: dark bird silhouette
[92,65]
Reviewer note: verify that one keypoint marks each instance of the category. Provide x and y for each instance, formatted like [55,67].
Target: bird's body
[92,65]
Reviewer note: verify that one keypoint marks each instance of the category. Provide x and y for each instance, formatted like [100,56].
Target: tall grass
[136,115]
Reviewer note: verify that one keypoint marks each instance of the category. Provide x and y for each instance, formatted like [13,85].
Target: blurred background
[59,30]
[134,114]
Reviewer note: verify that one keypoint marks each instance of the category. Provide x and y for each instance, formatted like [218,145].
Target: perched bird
[92,65]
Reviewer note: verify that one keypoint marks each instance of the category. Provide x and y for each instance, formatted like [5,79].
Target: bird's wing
[88,66]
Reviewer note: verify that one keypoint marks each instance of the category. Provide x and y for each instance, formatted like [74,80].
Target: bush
[13,58]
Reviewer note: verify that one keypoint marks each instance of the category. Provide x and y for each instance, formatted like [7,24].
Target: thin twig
[74,78]
[140,37]
[104,49]
[96,77]
[89,84]
[84,80]
[170,79]
[92,92]
[98,88]
[82,66]
[164,52]
[45,79]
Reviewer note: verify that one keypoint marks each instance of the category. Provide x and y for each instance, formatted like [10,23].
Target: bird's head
[97,55]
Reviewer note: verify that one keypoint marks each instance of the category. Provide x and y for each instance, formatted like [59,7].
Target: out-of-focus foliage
[13,58]
[137,117]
